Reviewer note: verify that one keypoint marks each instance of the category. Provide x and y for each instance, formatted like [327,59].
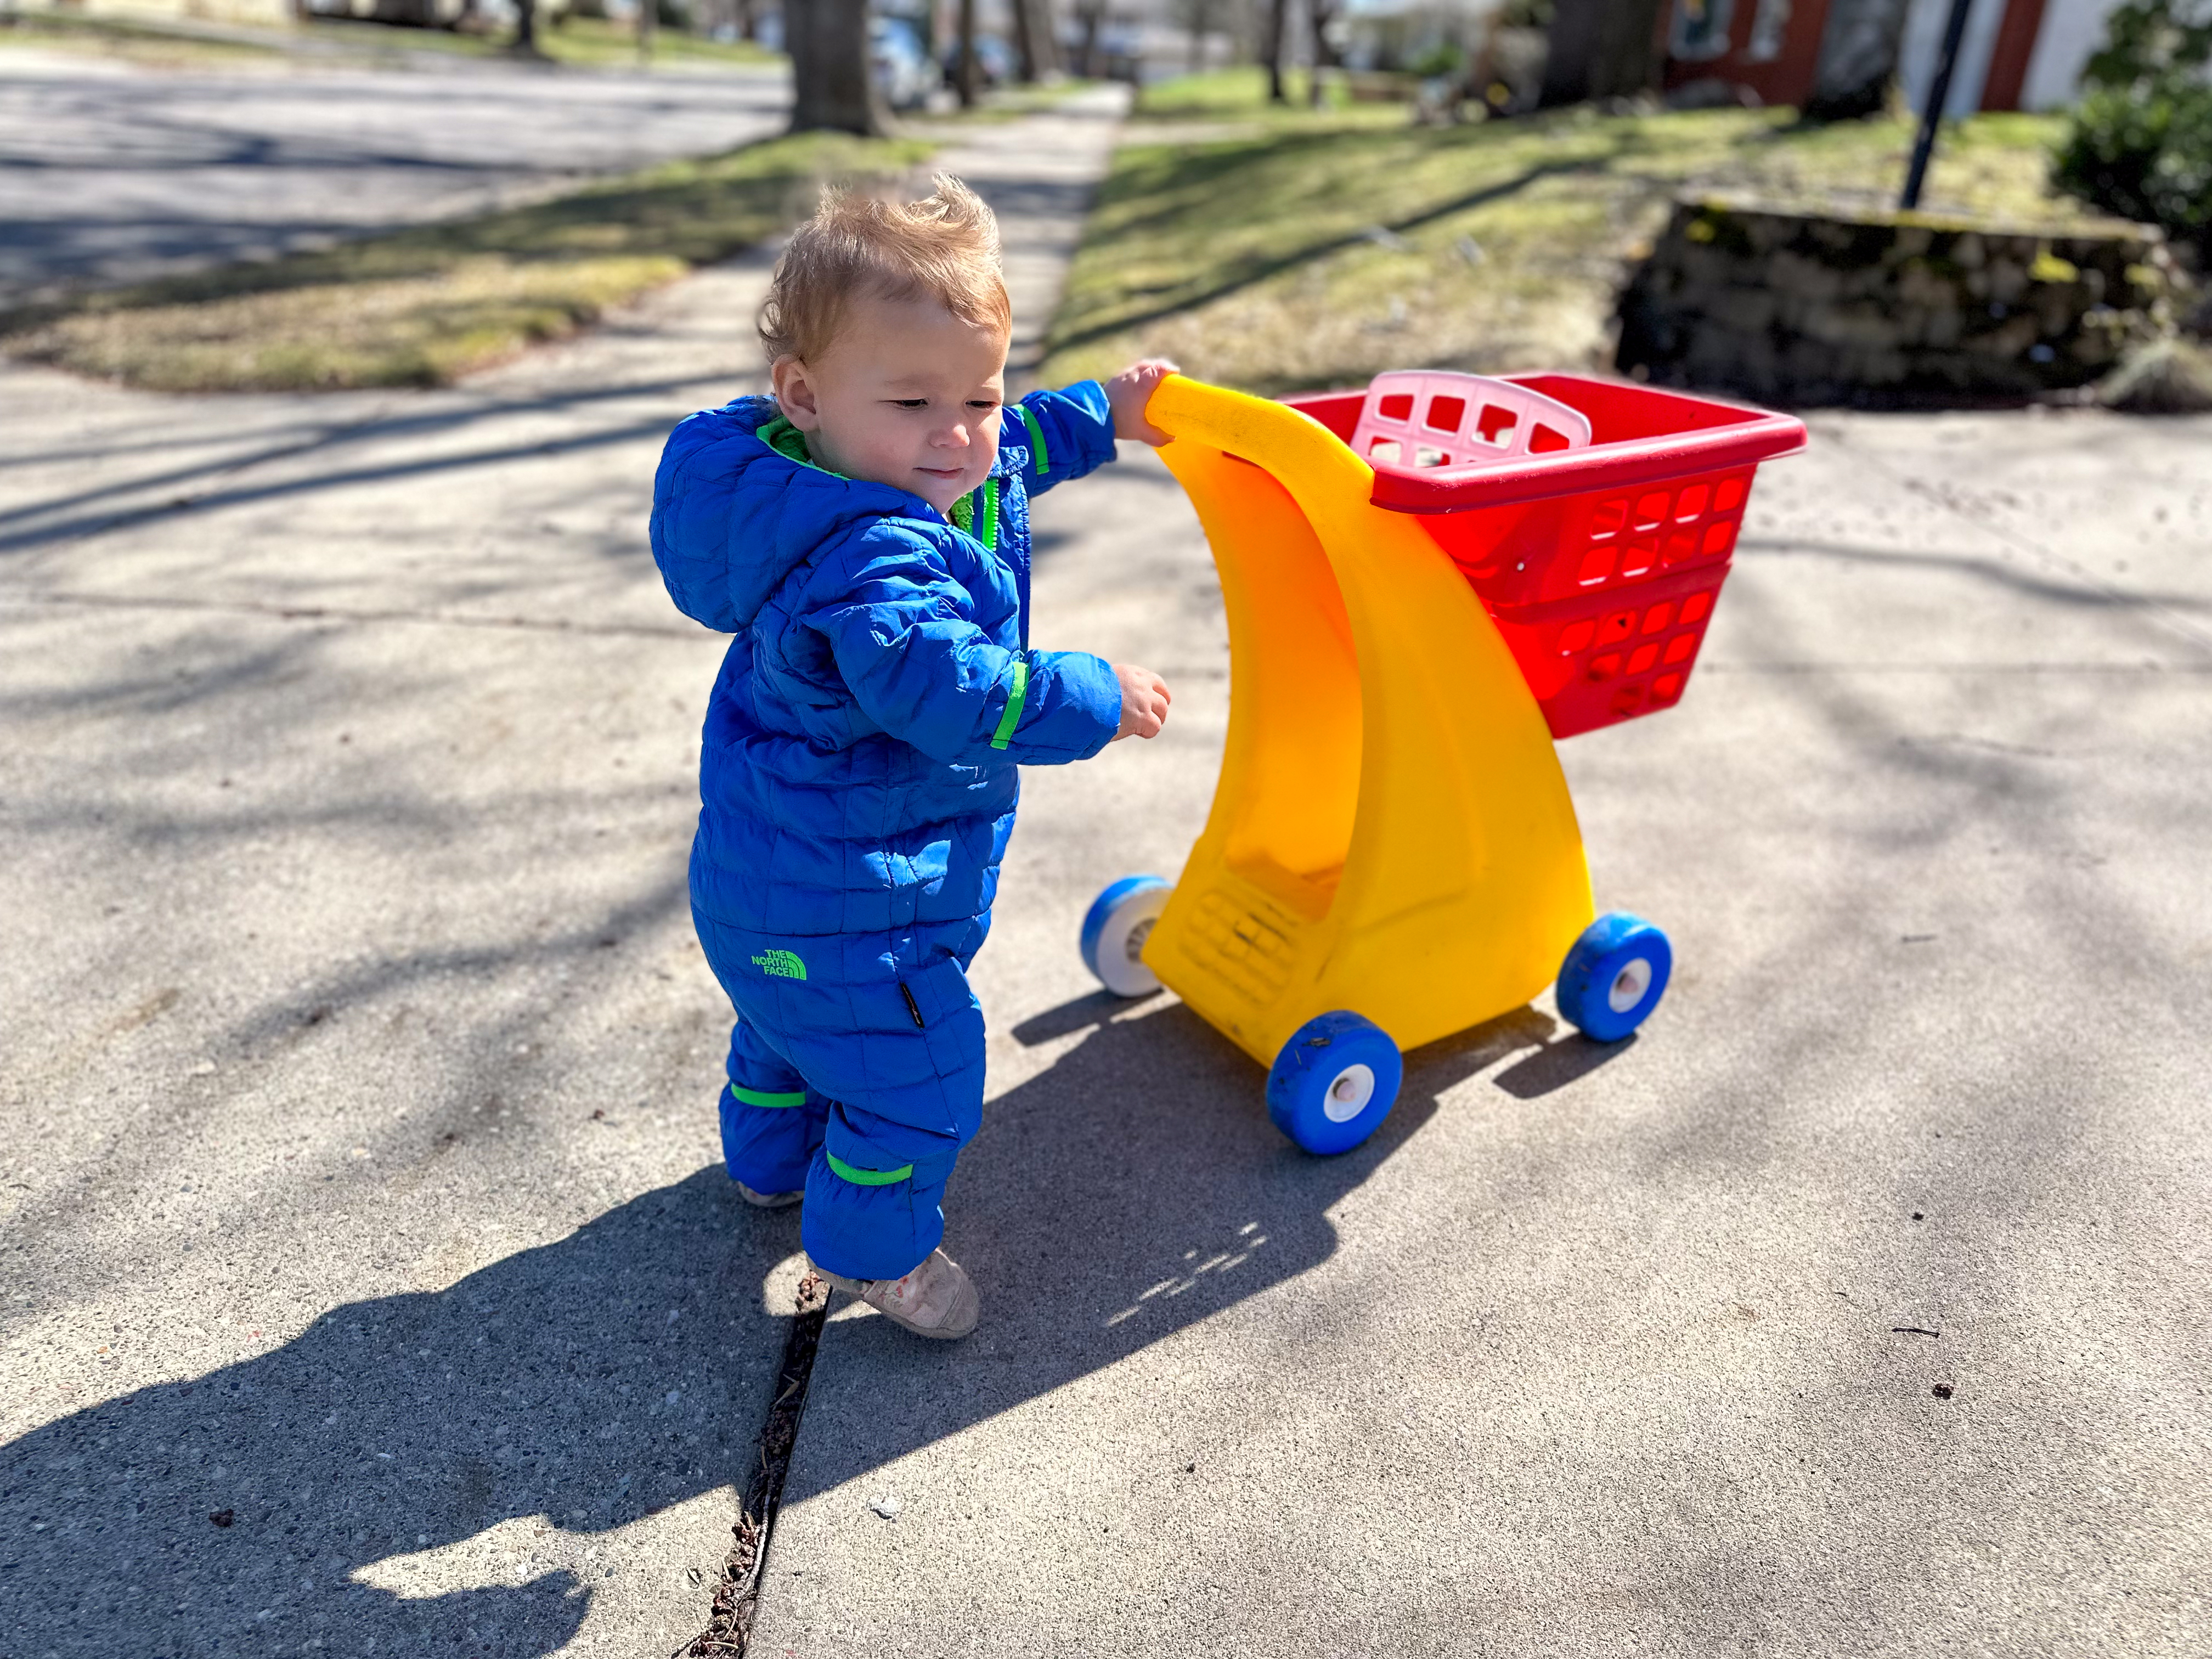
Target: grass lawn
[1280,251]
[1005,103]
[145,46]
[582,42]
[420,306]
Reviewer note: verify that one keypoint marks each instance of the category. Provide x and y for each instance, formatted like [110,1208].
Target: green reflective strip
[1038,457]
[1015,698]
[868,1177]
[757,1098]
[990,536]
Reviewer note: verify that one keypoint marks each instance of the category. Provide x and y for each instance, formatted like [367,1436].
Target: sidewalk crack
[736,1593]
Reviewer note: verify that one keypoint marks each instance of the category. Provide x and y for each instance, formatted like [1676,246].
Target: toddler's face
[907,395]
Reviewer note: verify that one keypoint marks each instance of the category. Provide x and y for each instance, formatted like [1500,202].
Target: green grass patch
[581,42]
[995,105]
[147,45]
[422,305]
[1287,250]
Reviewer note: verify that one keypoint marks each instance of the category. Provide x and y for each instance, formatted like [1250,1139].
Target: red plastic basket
[1599,563]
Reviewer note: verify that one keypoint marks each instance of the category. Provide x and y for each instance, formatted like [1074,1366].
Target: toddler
[864,533]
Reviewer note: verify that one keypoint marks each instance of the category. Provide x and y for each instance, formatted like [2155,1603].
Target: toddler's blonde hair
[943,247]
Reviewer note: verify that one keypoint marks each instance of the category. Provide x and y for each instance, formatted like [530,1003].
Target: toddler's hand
[1127,393]
[1144,702]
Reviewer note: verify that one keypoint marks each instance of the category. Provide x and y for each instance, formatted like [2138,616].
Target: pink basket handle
[1427,417]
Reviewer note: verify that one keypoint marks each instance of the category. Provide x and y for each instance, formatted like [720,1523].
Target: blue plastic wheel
[1614,975]
[1114,930]
[1334,1082]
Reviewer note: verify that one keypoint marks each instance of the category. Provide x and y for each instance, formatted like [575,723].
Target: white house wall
[2072,29]
[2069,32]
[1923,41]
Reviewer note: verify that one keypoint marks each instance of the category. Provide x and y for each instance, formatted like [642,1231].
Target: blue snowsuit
[857,787]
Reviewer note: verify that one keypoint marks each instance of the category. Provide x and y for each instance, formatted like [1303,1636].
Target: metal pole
[1924,147]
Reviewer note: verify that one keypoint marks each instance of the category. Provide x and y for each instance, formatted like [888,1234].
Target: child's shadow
[1132,1189]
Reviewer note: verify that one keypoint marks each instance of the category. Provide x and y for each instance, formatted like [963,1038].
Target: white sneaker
[936,1299]
[769,1200]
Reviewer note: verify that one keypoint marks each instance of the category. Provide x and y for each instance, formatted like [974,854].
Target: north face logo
[780,964]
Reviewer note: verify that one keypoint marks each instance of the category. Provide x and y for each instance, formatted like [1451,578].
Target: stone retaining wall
[1792,306]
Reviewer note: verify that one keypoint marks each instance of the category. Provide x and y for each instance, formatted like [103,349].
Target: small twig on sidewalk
[737,1591]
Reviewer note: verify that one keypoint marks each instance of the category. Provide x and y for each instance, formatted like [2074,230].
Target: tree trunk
[1858,59]
[1320,14]
[526,27]
[1034,46]
[1044,36]
[1198,14]
[1093,17]
[1271,48]
[964,66]
[647,15]
[832,89]
[1602,49]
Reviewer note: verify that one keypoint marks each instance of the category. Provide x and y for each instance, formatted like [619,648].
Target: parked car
[904,75]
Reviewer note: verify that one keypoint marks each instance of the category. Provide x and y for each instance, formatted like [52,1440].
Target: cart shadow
[1565,1056]
[1129,1191]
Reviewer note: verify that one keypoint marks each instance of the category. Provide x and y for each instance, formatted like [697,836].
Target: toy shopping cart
[1427,584]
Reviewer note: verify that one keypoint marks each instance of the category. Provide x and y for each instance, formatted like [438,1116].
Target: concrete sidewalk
[1859,1305]
[372,1284]
[371,1281]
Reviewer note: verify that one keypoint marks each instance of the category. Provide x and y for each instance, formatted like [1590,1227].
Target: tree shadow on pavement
[590,1383]
[1131,1190]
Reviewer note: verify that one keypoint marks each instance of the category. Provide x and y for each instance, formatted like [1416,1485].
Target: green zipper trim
[755,1098]
[964,517]
[867,1177]
[788,441]
[1038,457]
[1015,698]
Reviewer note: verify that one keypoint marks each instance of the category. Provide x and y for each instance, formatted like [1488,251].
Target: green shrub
[2140,143]
[2146,157]
[1438,62]
[2151,41]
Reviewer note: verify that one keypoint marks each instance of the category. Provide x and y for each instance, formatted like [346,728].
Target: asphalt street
[372,1282]
[109,173]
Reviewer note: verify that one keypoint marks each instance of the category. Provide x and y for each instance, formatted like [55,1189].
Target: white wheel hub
[1629,985]
[1120,965]
[1348,1093]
